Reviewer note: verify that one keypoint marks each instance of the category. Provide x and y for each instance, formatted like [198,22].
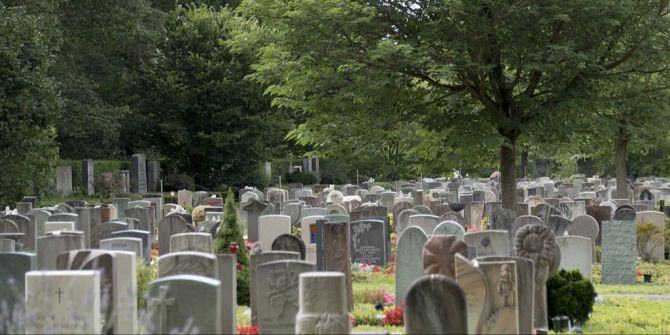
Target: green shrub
[570,294]
[649,237]
[305,178]
[145,275]
[178,181]
[229,232]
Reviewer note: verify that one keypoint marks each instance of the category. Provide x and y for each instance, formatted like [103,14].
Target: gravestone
[88,178]
[154,176]
[184,304]
[476,290]
[38,217]
[586,226]
[525,271]
[7,245]
[104,231]
[537,243]
[170,225]
[489,242]
[65,217]
[24,207]
[188,262]
[455,217]
[185,198]
[288,242]
[155,200]
[655,249]
[309,236]
[138,174]
[121,205]
[62,302]
[423,209]
[292,209]
[576,254]
[197,197]
[369,212]
[336,209]
[89,219]
[402,221]
[118,290]
[278,302]
[426,311]
[227,264]
[253,209]
[27,227]
[270,227]
[427,222]
[337,254]
[53,244]
[449,228]
[502,316]
[129,244]
[399,207]
[409,264]
[368,242]
[145,236]
[600,214]
[13,269]
[201,242]
[255,261]
[624,214]
[619,252]
[64,179]
[58,226]
[439,253]
[323,304]
[558,224]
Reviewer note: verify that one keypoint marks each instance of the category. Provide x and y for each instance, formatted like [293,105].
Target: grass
[629,316]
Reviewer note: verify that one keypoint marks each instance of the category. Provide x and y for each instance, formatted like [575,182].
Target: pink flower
[389,299]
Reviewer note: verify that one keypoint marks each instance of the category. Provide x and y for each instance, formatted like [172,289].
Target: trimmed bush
[178,181]
[570,294]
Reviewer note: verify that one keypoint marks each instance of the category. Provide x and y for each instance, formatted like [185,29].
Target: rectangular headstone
[254,262]
[50,246]
[228,278]
[63,302]
[154,176]
[138,174]
[88,178]
[270,227]
[576,254]
[64,179]
[13,268]
[619,252]
[368,242]
[129,244]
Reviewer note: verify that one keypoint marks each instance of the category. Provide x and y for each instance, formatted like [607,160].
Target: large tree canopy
[28,105]
[198,109]
[522,64]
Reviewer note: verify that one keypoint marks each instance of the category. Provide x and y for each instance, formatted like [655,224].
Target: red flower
[248,330]
[240,266]
[394,316]
[639,274]
[375,269]
[390,270]
[392,258]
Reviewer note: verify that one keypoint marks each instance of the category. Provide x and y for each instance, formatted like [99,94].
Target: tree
[520,64]
[230,231]
[105,44]
[199,110]
[29,102]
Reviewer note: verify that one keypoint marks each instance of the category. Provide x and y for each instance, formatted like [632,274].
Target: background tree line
[393,89]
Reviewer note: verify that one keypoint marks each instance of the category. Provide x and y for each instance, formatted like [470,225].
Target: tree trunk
[621,151]
[508,174]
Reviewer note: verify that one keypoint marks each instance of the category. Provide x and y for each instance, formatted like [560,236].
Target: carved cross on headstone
[164,302]
[59,292]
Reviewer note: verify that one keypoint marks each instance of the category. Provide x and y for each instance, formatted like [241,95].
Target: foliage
[178,181]
[493,70]
[231,231]
[367,315]
[569,293]
[667,235]
[198,215]
[106,186]
[199,109]
[29,102]
[305,178]
[100,167]
[649,237]
[145,273]
[248,330]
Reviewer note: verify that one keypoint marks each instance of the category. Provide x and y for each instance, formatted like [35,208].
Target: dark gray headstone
[141,234]
[426,311]
[624,214]
[138,174]
[12,289]
[154,176]
[288,242]
[368,242]
[170,225]
[88,178]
